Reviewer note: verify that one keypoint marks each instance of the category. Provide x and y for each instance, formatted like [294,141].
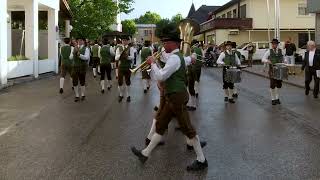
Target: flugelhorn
[145,65]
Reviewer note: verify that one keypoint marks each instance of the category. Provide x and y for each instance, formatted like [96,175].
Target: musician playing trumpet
[228,58]
[272,57]
[145,52]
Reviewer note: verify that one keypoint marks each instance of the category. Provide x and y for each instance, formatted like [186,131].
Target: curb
[265,76]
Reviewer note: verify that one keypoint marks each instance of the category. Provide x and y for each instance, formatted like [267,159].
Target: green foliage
[148,18]
[17,58]
[94,17]
[176,18]
[129,27]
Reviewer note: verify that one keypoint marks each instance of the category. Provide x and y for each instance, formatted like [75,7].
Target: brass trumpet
[145,65]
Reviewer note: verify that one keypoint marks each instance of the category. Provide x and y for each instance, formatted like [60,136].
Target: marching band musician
[118,45]
[145,52]
[106,54]
[66,61]
[81,55]
[228,58]
[234,49]
[95,58]
[173,75]
[272,57]
[125,55]
[199,53]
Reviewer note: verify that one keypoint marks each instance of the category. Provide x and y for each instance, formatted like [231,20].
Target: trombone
[145,65]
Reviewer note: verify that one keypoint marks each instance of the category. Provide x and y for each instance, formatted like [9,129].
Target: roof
[65,10]
[146,26]
[192,10]
[226,6]
[202,14]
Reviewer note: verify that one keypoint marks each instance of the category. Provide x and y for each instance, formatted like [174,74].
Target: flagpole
[268,19]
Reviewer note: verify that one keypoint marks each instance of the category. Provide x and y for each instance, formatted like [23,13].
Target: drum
[280,71]
[233,75]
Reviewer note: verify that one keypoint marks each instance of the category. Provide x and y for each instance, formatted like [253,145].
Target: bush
[17,58]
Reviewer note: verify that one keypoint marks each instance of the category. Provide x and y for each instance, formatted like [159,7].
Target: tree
[129,27]
[162,23]
[177,18]
[94,17]
[148,18]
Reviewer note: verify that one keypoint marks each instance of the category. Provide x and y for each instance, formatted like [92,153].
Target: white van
[261,48]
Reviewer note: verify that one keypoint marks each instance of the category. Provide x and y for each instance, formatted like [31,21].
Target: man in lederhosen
[106,54]
[66,61]
[113,61]
[198,52]
[174,76]
[192,76]
[234,49]
[81,56]
[95,58]
[125,55]
[272,57]
[118,45]
[228,58]
[145,52]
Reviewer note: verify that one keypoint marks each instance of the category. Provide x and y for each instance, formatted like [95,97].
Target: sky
[168,8]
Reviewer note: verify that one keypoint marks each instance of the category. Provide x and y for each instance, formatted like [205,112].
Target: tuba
[188,28]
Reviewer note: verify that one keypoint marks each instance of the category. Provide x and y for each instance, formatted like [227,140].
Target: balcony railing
[227,23]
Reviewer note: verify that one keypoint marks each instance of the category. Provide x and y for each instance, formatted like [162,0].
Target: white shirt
[164,57]
[172,65]
[118,53]
[71,52]
[111,51]
[311,57]
[266,56]
[223,55]
[86,55]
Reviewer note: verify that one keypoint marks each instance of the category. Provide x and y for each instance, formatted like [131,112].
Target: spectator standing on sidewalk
[251,51]
[289,56]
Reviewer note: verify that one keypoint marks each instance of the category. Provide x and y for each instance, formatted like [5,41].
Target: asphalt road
[45,135]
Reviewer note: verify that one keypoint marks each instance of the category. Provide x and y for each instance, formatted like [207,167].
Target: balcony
[227,23]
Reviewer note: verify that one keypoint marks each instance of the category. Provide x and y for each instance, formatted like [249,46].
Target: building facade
[145,32]
[244,21]
[314,7]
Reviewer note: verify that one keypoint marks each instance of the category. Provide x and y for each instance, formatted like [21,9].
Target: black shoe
[102,91]
[138,153]
[231,101]
[94,76]
[197,95]
[202,143]
[156,108]
[226,99]
[148,87]
[274,102]
[120,98]
[177,128]
[235,95]
[145,91]
[190,108]
[307,92]
[109,88]
[72,88]
[61,91]
[197,166]
[83,98]
[278,101]
[128,99]
[315,96]
[76,99]
[294,74]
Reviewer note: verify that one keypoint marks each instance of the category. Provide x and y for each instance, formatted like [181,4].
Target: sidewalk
[297,80]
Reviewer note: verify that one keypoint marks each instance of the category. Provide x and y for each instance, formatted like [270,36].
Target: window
[229,14]
[304,38]
[243,11]
[223,16]
[234,13]
[146,32]
[302,9]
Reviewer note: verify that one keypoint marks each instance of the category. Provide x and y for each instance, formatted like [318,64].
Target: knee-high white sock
[230,93]
[94,71]
[188,141]
[152,130]
[83,90]
[102,84]
[156,138]
[128,91]
[196,87]
[61,82]
[145,84]
[197,148]
[99,69]
[108,83]
[120,90]
[226,93]
[235,90]
[112,65]
[193,101]
[276,93]
[76,91]
[117,72]
[273,96]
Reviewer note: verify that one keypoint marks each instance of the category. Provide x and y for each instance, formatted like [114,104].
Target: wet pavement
[44,135]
